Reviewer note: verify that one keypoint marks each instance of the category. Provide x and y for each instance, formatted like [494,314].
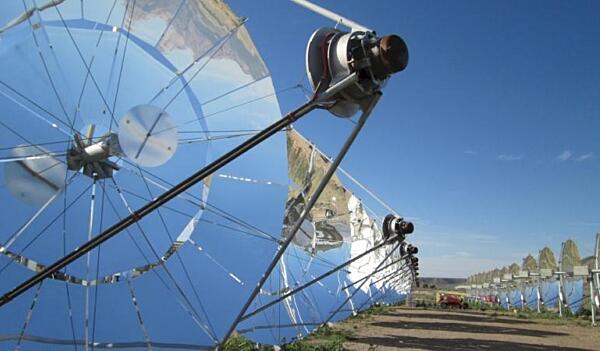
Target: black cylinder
[412,250]
[393,56]
[393,225]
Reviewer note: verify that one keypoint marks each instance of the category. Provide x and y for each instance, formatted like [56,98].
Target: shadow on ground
[454,344]
[466,328]
[454,316]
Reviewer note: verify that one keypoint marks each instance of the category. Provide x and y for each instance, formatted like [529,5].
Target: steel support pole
[539,309]
[592,304]
[538,292]
[313,200]
[560,297]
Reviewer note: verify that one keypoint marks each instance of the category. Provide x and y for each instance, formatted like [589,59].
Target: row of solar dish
[571,284]
[104,105]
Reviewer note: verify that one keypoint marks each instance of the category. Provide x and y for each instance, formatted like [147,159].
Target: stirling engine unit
[333,55]
[396,226]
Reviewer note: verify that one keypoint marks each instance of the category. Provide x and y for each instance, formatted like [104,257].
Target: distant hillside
[443,283]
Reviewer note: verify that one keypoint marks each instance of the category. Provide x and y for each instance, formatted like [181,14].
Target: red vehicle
[451,301]
[489,299]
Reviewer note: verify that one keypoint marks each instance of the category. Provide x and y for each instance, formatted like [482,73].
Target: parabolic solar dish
[504,299]
[572,286]
[106,105]
[513,298]
[530,293]
[548,283]
[549,292]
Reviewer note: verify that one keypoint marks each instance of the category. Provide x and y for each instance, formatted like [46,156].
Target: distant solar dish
[571,284]
[530,295]
[148,135]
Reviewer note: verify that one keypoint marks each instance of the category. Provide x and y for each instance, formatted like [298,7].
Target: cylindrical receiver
[97,152]
[412,250]
[393,56]
[396,225]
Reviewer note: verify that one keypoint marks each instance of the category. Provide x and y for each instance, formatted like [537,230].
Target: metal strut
[313,281]
[402,272]
[313,199]
[378,294]
[361,284]
[379,270]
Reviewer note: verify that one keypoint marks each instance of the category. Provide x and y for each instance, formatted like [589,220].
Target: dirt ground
[445,330]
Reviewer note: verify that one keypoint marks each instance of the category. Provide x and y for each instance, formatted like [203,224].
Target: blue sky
[489,139]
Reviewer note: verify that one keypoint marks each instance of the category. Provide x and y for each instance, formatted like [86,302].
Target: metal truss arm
[361,284]
[379,270]
[306,285]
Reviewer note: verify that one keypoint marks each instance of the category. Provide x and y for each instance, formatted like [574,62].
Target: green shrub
[239,343]
[323,339]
